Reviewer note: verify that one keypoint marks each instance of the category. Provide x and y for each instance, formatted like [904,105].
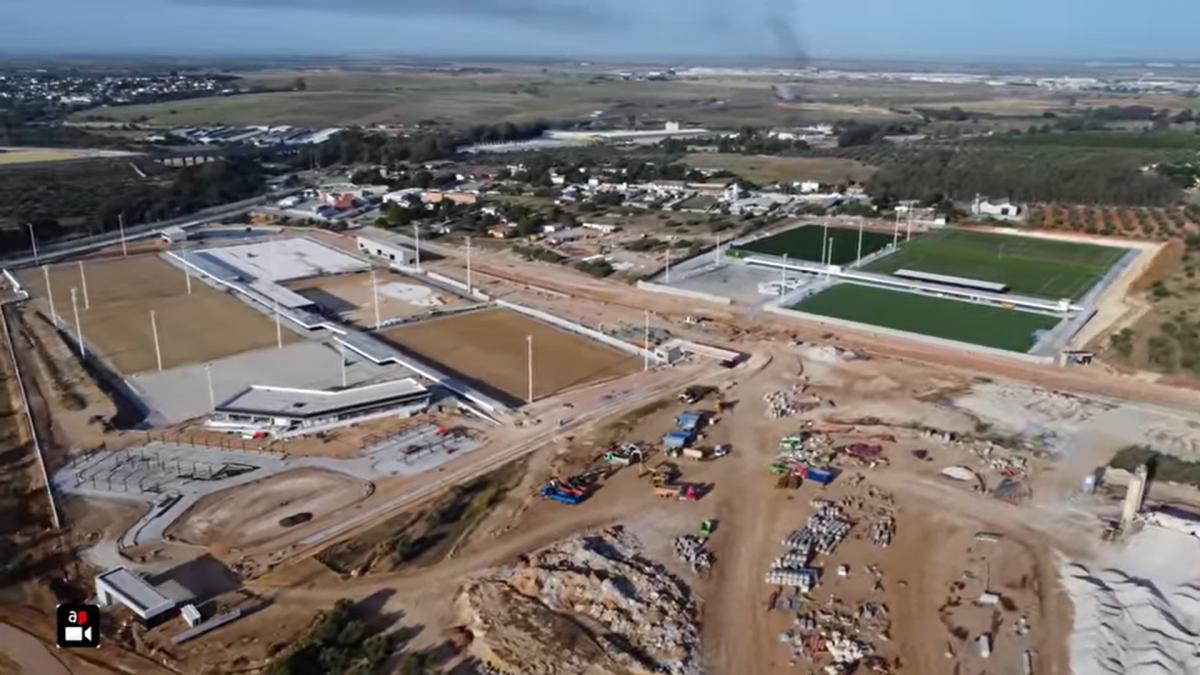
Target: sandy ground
[350,296]
[490,346]
[249,515]
[201,326]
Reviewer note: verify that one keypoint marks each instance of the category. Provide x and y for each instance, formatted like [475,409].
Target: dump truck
[552,492]
[678,439]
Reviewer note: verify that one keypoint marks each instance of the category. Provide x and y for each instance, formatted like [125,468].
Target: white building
[119,585]
[395,252]
[1004,210]
[287,411]
[807,186]
[602,228]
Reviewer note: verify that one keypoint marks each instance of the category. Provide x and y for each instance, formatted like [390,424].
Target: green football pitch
[1043,268]
[959,320]
[804,243]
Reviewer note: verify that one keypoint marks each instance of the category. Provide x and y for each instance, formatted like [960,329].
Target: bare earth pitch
[206,325]
[489,347]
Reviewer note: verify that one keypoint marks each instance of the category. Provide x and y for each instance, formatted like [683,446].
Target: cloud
[558,13]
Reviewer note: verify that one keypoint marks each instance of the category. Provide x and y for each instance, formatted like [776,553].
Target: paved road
[53,252]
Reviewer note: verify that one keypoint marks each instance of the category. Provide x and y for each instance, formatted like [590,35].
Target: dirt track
[491,347]
[247,515]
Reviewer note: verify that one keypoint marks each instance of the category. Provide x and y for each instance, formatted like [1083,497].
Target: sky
[1013,30]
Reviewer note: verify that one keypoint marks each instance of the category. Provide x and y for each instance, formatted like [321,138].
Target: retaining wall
[917,337]
[683,292]
[579,329]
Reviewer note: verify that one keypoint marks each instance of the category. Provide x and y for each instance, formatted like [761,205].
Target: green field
[985,325]
[804,243]
[1043,268]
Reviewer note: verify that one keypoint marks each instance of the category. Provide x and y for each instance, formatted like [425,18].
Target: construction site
[511,467]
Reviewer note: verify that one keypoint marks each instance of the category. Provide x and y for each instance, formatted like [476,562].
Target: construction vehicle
[707,527]
[694,453]
[682,491]
[552,491]
[721,450]
[663,473]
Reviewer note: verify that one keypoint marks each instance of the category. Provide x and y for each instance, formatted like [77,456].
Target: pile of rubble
[882,531]
[806,448]
[780,403]
[825,529]
[693,551]
[840,637]
[639,615]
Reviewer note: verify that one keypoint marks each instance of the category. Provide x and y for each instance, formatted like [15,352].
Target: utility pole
[33,243]
[78,328]
[529,343]
[83,278]
[896,232]
[469,264]
[212,397]
[157,350]
[121,224]
[50,294]
[717,251]
[670,243]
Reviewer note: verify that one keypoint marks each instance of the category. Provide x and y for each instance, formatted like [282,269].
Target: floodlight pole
[87,304]
[529,343]
[212,398]
[860,235]
[670,243]
[646,345]
[896,232]
[121,225]
[375,295]
[187,274]
[33,243]
[783,276]
[157,349]
[342,352]
[417,239]
[717,251]
[908,228]
[78,328]
[50,295]
[469,289]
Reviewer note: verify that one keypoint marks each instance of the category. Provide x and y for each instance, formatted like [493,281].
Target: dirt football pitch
[489,347]
[206,325]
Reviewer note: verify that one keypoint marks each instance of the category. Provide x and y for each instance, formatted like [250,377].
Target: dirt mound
[518,631]
[592,600]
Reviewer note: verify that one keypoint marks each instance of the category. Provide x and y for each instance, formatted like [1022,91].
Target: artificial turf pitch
[804,243]
[958,320]
[1043,268]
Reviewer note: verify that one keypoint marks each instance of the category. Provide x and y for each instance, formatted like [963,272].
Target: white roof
[282,259]
[135,592]
[307,403]
[952,280]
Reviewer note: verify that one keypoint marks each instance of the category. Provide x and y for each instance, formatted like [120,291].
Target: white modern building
[120,585]
[392,251]
[287,411]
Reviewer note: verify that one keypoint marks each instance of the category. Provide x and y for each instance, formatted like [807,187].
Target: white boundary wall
[579,329]
[683,292]
[917,337]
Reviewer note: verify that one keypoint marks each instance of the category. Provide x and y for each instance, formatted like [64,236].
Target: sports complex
[1008,291]
[187,331]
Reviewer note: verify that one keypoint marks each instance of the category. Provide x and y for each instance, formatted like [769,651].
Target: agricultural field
[984,325]
[489,348]
[351,296]
[205,325]
[804,243]
[768,169]
[1143,222]
[1043,268]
